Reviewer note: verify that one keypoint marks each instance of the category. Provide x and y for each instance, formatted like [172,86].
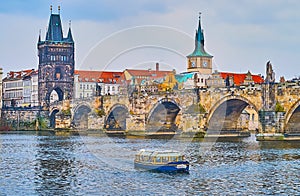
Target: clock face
[193,64]
[204,63]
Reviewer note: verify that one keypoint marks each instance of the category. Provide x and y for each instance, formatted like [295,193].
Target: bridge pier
[191,123]
[136,124]
[271,121]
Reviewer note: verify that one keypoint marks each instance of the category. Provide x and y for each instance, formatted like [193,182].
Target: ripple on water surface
[83,165]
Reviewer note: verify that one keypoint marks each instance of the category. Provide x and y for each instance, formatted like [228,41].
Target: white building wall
[109,88]
[34,90]
[27,92]
[201,80]
[83,89]
[13,90]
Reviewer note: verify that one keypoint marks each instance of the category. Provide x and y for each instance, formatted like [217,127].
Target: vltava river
[32,164]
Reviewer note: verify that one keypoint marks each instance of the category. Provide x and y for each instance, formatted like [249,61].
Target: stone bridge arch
[162,116]
[116,118]
[52,116]
[225,113]
[292,118]
[80,115]
[58,90]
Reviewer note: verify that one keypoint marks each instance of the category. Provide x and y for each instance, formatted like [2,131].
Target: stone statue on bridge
[270,74]
[268,96]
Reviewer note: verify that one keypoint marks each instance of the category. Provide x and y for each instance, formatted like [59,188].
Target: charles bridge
[196,110]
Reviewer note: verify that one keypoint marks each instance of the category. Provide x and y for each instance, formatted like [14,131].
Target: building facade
[148,80]
[93,83]
[30,90]
[227,79]
[56,63]
[18,88]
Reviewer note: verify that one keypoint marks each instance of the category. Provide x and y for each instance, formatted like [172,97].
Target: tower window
[58,74]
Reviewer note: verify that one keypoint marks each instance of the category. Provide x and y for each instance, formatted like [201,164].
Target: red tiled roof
[239,78]
[17,75]
[98,76]
[20,74]
[148,73]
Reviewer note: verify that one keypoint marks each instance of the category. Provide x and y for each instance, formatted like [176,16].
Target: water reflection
[55,164]
[279,144]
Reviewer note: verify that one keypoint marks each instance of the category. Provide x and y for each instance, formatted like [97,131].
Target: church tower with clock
[199,61]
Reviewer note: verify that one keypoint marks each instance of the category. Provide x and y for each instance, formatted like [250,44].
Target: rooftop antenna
[59,9]
[51,9]
[70,24]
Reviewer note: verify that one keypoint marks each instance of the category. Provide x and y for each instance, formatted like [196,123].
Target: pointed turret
[199,42]
[39,40]
[200,36]
[70,37]
[199,61]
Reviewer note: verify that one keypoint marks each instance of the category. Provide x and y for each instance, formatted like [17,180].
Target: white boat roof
[159,153]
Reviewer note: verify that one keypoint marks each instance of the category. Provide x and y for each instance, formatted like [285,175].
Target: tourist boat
[161,161]
[269,136]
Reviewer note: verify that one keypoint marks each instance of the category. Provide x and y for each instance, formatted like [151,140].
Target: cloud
[18,42]
[241,34]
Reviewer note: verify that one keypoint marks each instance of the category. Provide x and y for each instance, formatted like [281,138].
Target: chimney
[157,67]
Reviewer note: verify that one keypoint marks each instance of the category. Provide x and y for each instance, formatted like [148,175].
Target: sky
[114,35]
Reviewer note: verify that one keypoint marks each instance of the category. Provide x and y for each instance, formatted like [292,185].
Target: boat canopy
[154,153]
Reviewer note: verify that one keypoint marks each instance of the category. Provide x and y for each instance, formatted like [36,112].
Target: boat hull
[172,167]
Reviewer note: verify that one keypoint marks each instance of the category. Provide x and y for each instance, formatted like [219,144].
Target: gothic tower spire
[200,60]
[54,32]
[69,36]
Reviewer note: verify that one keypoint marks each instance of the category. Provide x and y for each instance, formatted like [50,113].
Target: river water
[32,164]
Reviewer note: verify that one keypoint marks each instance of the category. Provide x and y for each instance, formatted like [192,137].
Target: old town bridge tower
[56,63]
